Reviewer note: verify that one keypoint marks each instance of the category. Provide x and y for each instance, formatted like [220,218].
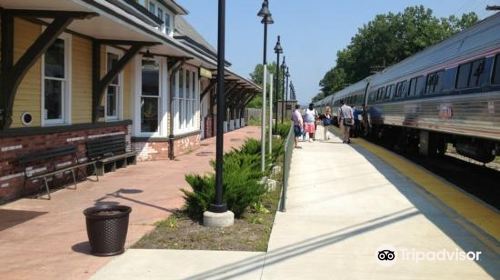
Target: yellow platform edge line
[475,212]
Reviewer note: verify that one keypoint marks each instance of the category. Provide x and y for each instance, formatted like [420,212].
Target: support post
[263,122]
[271,116]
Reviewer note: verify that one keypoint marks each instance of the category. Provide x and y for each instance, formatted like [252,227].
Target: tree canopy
[386,40]
[257,76]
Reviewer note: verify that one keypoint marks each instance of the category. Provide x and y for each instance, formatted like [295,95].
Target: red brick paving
[51,243]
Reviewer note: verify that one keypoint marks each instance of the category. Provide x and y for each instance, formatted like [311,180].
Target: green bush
[240,188]
[282,129]
[251,146]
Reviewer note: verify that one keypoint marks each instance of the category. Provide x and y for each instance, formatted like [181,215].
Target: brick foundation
[12,183]
[150,151]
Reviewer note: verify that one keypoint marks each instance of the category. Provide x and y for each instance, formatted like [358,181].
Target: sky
[312,31]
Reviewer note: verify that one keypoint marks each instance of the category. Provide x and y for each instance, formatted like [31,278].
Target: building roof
[188,35]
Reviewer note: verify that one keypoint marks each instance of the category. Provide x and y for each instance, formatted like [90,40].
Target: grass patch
[250,233]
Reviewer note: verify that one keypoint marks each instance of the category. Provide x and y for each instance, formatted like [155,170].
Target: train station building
[77,71]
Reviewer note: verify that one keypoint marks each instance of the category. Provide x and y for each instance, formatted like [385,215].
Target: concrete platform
[344,205]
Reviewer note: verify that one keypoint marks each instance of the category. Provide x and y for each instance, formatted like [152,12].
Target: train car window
[419,86]
[404,88]
[477,73]
[388,91]
[398,90]
[412,87]
[380,93]
[434,82]
[463,75]
[496,71]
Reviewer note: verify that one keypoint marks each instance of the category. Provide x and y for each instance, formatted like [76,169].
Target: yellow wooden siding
[28,95]
[81,80]
[128,76]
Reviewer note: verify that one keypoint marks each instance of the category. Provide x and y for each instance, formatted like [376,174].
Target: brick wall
[150,151]
[11,148]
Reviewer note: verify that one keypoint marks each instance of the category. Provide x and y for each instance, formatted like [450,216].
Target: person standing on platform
[327,121]
[310,116]
[298,124]
[346,121]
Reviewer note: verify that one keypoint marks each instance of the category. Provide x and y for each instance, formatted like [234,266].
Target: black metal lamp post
[219,206]
[278,50]
[287,75]
[283,70]
[266,19]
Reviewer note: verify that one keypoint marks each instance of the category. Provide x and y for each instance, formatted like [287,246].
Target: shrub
[198,200]
[240,190]
[282,129]
[251,146]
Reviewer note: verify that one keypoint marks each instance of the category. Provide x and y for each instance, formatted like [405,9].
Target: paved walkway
[344,205]
[42,239]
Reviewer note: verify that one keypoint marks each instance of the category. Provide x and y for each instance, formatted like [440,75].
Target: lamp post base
[224,219]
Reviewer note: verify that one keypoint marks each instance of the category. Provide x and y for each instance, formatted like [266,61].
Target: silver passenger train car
[447,93]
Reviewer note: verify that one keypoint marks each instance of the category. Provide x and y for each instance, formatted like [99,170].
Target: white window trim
[67,104]
[190,104]
[119,101]
[162,99]
[165,11]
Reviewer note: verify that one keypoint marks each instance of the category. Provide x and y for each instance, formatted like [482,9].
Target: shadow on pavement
[284,253]
[118,194]
[82,247]
[10,218]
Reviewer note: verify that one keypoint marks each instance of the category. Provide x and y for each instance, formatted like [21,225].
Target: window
[411,92]
[470,74]
[152,8]
[56,87]
[420,86]
[496,71]
[186,99]
[380,93]
[401,90]
[434,82]
[476,73]
[389,92]
[417,86]
[167,23]
[113,93]
[163,14]
[150,95]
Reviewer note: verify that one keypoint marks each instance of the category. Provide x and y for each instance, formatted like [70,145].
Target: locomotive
[447,93]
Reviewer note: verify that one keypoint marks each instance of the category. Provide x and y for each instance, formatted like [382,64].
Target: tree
[257,76]
[388,39]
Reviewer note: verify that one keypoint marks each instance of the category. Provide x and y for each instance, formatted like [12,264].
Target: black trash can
[107,227]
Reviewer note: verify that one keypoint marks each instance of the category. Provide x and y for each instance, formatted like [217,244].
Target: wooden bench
[110,150]
[52,169]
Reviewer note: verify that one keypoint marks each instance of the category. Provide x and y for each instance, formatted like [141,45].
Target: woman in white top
[310,116]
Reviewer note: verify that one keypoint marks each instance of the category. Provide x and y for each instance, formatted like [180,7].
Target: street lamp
[266,19]
[278,50]
[283,69]
[218,215]
[287,75]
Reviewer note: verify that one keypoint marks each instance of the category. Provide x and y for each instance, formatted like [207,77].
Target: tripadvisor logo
[387,255]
